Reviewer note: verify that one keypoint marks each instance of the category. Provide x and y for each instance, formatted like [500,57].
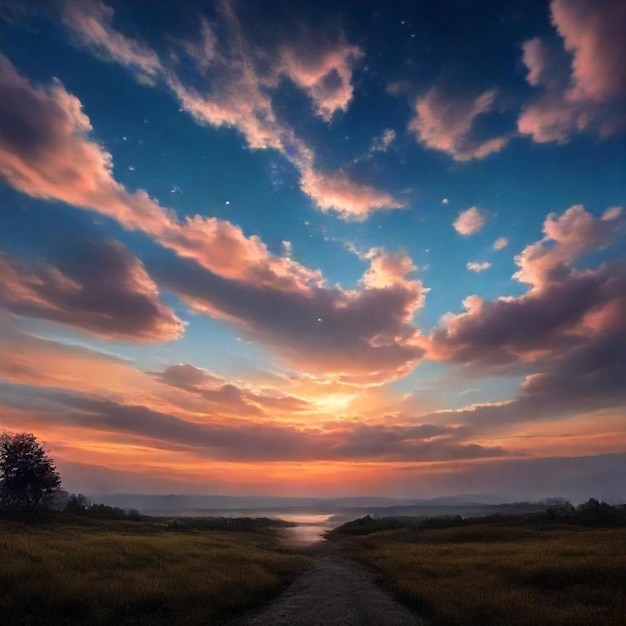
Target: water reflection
[310,528]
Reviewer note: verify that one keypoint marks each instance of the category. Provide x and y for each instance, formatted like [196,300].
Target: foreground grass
[490,575]
[136,573]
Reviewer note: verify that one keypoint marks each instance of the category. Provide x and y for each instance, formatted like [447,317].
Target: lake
[310,529]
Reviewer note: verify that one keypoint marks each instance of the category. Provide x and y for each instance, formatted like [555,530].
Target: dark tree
[77,504]
[28,478]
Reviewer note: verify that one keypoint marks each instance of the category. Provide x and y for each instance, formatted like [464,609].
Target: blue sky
[287,215]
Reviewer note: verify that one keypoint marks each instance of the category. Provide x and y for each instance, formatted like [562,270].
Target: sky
[316,249]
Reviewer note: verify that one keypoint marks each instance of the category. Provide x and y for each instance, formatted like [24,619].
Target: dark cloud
[247,441]
[100,288]
[359,336]
[527,327]
[567,333]
[221,393]
[563,307]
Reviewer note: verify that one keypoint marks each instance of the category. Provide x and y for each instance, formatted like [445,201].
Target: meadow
[490,574]
[109,572]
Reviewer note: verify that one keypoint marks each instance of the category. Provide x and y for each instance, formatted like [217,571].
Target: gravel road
[336,591]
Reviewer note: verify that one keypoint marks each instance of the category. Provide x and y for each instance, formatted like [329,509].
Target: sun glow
[335,402]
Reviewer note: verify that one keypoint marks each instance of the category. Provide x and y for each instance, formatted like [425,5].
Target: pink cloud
[90,21]
[366,336]
[593,32]
[477,266]
[588,92]
[387,268]
[322,69]
[500,243]
[566,310]
[335,191]
[105,291]
[237,86]
[469,221]
[566,238]
[446,123]
[54,157]
[219,391]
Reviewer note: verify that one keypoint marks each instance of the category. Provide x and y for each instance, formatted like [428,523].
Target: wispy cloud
[236,80]
[500,243]
[478,266]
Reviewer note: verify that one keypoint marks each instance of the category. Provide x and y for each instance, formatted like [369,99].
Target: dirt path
[336,591]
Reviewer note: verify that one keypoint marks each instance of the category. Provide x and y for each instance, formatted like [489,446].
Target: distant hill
[464,504]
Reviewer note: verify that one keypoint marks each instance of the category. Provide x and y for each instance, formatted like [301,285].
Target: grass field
[491,575]
[136,573]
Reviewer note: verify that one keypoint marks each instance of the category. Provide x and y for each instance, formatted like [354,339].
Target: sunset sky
[315,248]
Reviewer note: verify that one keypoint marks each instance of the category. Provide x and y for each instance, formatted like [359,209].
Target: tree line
[30,483]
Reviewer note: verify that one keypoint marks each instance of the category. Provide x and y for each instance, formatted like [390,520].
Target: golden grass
[136,573]
[490,575]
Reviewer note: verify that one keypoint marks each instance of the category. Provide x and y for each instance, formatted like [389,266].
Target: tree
[77,504]
[28,477]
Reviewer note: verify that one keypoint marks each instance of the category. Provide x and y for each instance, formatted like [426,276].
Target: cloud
[363,336]
[567,333]
[235,82]
[446,123]
[33,360]
[469,221]
[46,152]
[337,192]
[217,390]
[182,389]
[322,68]
[91,23]
[101,288]
[382,143]
[53,157]
[245,441]
[568,380]
[476,266]
[500,243]
[566,238]
[583,81]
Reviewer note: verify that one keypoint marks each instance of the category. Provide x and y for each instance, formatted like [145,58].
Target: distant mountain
[184,502]
[180,502]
